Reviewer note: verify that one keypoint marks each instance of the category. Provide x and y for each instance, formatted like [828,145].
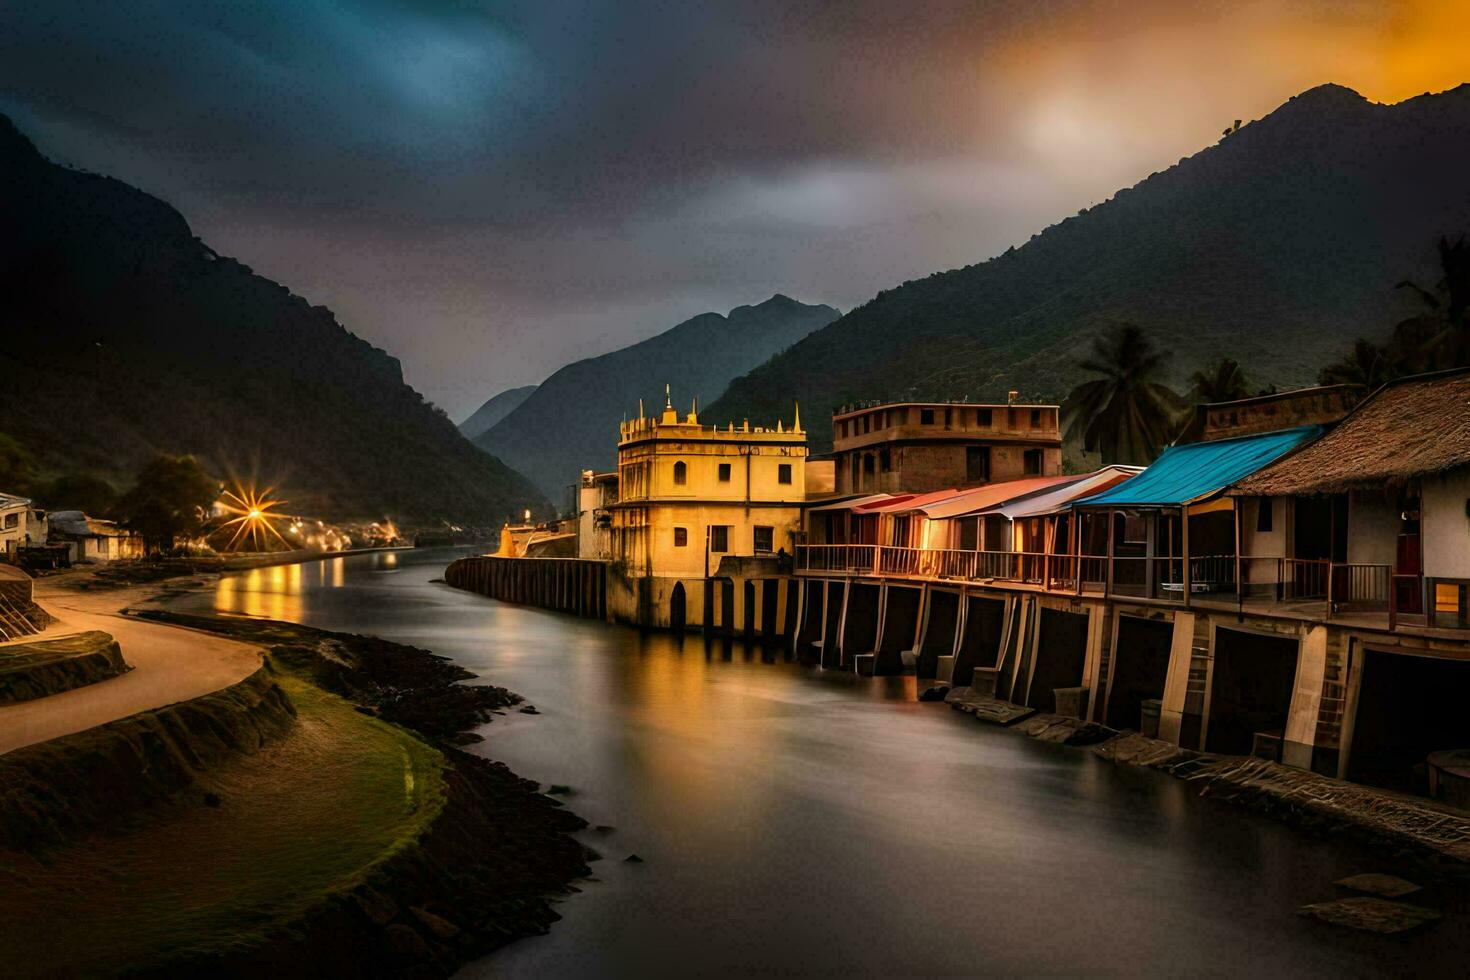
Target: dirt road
[170,664]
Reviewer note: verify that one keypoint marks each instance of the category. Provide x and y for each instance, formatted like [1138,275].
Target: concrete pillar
[1176,681]
[1306,699]
[1097,629]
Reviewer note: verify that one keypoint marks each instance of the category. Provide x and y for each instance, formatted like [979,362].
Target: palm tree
[1222,381]
[1439,336]
[1365,364]
[1126,414]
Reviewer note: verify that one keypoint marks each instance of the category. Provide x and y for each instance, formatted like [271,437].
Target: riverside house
[1298,593]
[22,525]
[699,509]
[916,447]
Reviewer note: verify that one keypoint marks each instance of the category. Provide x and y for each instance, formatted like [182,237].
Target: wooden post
[1239,582]
[1108,579]
[1184,550]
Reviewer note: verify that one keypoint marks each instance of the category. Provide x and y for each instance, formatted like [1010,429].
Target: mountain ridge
[1277,246]
[130,337]
[495,408]
[570,422]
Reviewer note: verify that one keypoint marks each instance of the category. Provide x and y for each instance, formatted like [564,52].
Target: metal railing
[1340,587]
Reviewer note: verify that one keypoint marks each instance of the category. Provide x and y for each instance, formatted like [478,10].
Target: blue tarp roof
[1183,474]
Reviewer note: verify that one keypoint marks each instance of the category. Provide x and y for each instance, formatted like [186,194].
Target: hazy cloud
[491,189]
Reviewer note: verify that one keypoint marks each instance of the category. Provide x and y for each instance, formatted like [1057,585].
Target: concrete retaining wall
[571,585]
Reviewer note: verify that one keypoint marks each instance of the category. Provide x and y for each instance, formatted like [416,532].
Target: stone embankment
[571,585]
[1381,819]
[45,667]
[52,791]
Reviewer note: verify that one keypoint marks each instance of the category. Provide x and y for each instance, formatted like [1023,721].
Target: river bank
[1420,832]
[317,816]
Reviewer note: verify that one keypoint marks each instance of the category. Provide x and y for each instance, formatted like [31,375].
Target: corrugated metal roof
[1058,500]
[848,503]
[1201,469]
[970,501]
[909,501]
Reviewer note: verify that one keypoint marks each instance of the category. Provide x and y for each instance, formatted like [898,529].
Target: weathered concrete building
[698,509]
[914,447]
[22,525]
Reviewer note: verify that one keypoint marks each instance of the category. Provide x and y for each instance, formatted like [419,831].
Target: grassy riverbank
[337,840]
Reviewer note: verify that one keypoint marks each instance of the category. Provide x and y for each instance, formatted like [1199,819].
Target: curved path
[170,664]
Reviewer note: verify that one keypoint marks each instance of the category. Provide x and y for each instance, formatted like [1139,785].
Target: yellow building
[700,509]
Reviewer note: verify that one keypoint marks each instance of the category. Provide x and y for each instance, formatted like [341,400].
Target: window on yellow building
[681,474]
[724,472]
[783,473]
[926,416]
[765,540]
[1031,462]
[681,537]
[719,538]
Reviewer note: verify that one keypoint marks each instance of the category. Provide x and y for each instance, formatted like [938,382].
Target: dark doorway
[1250,689]
[1139,666]
[900,622]
[793,595]
[811,621]
[1061,656]
[860,625]
[749,611]
[676,608]
[938,641]
[727,606]
[1408,707]
[770,589]
[980,644]
[1320,531]
[830,655]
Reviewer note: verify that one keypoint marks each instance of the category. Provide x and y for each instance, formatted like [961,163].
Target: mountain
[126,336]
[571,421]
[1278,246]
[494,410]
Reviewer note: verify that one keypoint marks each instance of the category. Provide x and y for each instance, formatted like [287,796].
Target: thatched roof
[1412,427]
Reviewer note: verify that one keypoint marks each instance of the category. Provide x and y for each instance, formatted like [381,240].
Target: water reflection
[794,820]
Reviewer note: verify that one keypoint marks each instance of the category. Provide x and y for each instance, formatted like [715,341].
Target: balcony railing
[1339,588]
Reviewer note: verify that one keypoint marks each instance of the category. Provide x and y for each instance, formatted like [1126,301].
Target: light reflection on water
[798,821]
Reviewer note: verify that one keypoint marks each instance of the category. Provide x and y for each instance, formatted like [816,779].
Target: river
[798,821]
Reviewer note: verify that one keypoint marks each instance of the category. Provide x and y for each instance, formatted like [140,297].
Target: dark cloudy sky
[489,190]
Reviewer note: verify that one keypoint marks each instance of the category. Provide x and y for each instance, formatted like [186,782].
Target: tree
[79,491]
[1438,337]
[15,466]
[1222,381]
[1126,414]
[1365,364]
[171,497]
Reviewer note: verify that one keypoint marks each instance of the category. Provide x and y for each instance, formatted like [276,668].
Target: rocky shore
[479,877]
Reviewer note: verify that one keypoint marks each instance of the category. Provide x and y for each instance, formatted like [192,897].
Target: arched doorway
[676,607]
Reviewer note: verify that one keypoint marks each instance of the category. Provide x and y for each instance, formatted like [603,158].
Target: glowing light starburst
[254,511]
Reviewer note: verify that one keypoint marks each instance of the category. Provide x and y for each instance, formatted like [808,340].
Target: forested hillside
[1276,247]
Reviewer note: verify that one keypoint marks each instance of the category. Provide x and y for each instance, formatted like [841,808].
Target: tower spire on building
[796,426]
